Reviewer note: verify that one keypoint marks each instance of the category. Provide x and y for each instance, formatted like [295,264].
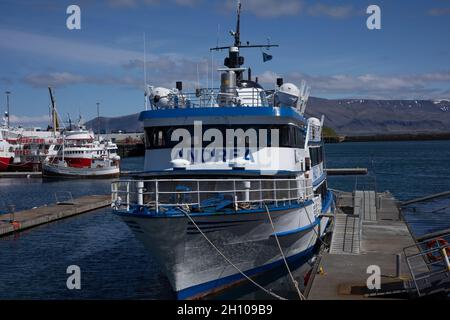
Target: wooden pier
[34,217]
[367,231]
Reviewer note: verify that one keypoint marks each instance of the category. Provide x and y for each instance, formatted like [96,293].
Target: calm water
[114,265]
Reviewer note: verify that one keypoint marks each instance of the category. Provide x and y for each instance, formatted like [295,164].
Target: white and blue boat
[227,172]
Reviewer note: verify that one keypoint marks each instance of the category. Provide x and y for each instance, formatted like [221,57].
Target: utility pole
[7,105]
[98,120]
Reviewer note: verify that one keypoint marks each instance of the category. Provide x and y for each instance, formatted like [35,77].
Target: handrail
[208,97]
[434,258]
[209,180]
[134,192]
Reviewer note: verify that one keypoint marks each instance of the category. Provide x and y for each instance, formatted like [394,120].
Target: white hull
[193,266]
[55,170]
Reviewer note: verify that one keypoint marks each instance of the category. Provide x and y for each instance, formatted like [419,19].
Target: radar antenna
[234,60]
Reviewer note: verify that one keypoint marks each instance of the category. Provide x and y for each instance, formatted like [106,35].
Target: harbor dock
[36,174]
[10,223]
[346,171]
[369,232]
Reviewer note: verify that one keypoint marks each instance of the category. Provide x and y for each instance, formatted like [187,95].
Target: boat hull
[70,172]
[4,163]
[196,269]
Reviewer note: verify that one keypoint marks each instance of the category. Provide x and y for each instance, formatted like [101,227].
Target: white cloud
[62,79]
[29,120]
[164,70]
[122,3]
[188,3]
[64,48]
[277,8]
[269,8]
[439,11]
[135,3]
[409,86]
[333,11]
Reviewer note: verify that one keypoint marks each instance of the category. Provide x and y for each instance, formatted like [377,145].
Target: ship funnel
[228,88]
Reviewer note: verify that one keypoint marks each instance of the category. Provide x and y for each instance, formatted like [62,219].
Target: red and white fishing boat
[81,156]
[31,147]
[6,155]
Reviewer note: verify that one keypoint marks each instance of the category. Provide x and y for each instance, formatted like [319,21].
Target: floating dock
[367,231]
[346,171]
[21,174]
[34,217]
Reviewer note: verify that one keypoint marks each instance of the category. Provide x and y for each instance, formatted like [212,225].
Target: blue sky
[323,42]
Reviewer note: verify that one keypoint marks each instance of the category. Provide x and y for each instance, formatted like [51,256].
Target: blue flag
[266,57]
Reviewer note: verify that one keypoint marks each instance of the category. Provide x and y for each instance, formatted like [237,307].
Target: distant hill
[128,123]
[347,116]
[358,117]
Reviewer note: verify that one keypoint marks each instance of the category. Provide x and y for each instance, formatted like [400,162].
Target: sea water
[114,265]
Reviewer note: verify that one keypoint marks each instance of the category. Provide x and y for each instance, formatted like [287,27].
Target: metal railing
[206,98]
[428,263]
[160,195]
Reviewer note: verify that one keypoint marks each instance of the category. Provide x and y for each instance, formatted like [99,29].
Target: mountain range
[345,116]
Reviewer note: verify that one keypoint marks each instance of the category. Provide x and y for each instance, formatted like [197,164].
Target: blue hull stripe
[298,230]
[177,214]
[211,285]
[171,172]
[328,201]
[218,222]
[319,180]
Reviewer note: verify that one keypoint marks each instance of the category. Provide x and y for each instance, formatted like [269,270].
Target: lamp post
[98,120]
[7,105]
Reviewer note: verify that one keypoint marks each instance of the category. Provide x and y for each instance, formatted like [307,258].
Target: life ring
[16,225]
[439,242]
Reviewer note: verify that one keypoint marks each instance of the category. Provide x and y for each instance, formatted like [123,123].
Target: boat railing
[161,195]
[208,98]
[428,263]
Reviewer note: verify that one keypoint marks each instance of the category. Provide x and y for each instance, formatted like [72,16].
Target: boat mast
[237,33]
[55,122]
[234,60]
[145,73]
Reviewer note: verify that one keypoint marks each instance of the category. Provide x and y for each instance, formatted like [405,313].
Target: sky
[326,43]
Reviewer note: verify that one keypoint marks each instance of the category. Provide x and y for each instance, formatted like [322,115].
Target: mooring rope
[300,295]
[228,260]
[317,234]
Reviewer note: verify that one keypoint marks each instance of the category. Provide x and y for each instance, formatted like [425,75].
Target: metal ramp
[347,229]
[346,235]
[365,205]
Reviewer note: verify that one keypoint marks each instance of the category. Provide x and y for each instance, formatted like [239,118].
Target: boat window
[322,190]
[316,154]
[290,136]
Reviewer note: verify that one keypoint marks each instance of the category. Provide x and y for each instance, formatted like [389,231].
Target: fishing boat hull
[50,170]
[196,269]
[4,163]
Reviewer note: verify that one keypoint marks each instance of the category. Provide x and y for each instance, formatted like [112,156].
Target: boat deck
[34,217]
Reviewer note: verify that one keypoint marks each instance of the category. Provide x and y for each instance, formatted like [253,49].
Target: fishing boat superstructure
[6,153]
[81,155]
[31,147]
[226,174]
